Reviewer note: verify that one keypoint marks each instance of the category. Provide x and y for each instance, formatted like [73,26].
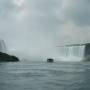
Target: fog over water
[35,27]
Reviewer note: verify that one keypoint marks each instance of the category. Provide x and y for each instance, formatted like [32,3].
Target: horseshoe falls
[74,52]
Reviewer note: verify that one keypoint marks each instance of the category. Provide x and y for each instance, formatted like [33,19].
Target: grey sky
[36,27]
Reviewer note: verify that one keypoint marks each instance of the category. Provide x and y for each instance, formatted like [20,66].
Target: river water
[40,75]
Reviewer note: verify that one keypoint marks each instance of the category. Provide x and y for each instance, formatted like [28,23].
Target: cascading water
[72,53]
[3,46]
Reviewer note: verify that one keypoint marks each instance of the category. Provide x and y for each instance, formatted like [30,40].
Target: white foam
[71,53]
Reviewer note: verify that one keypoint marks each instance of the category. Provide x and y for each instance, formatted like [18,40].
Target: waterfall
[72,52]
[3,46]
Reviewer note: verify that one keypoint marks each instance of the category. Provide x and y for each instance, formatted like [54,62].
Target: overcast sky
[38,26]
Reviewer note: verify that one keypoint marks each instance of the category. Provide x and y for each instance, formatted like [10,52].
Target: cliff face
[7,58]
[87,50]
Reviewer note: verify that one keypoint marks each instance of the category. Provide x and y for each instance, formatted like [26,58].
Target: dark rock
[87,58]
[7,58]
[87,50]
[50,60]
[15,58]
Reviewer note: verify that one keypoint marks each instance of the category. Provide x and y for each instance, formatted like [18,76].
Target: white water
[3,46]
[72,53]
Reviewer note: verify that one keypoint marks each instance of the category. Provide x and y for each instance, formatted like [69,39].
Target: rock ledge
[8,58]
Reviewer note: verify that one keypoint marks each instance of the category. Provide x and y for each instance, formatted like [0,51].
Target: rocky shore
[4,57]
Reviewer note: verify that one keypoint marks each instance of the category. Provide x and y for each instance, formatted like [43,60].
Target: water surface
[39,75]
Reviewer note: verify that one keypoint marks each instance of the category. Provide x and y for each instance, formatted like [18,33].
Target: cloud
[78,12]
[74,21]
[38,26]
[28,27]
[18,3]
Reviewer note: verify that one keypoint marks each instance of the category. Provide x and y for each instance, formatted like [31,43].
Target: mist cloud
[36,27]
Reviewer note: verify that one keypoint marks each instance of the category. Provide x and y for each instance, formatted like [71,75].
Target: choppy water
[45,76]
